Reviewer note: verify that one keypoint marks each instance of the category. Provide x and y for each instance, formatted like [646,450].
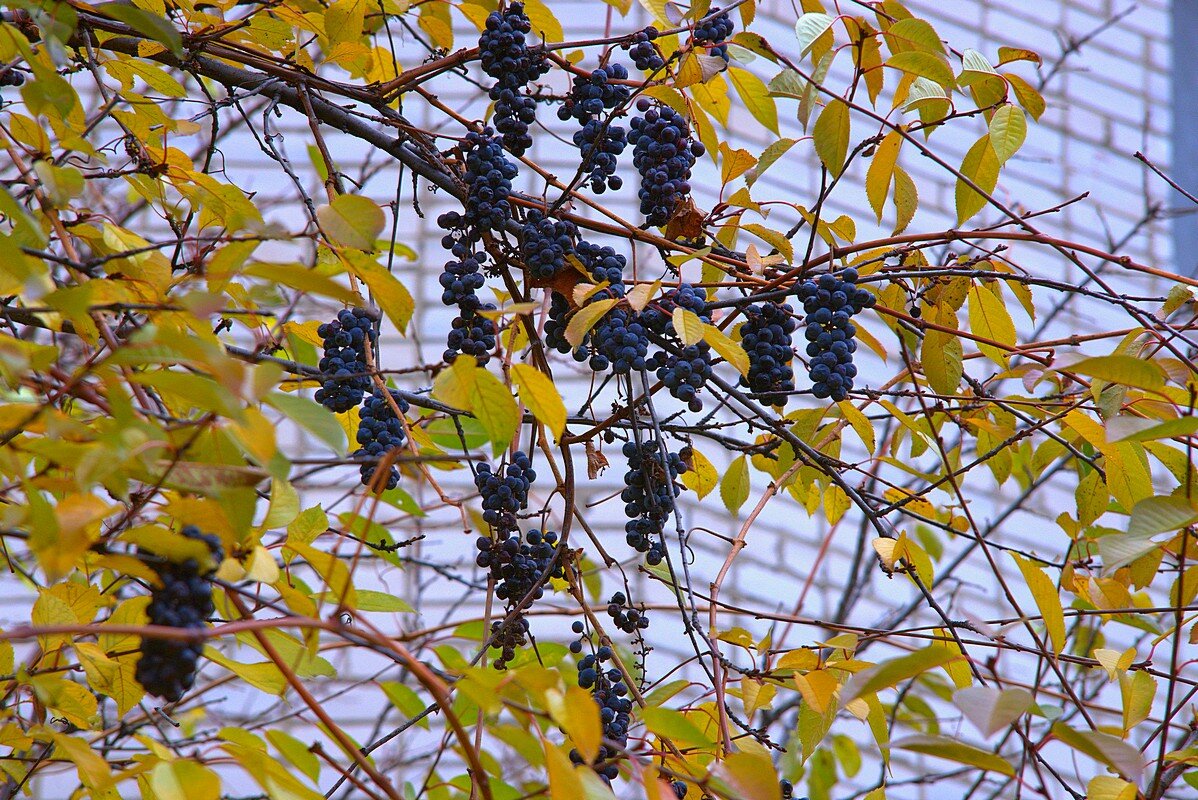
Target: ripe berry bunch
[627,619]
[766,337]
[517,567]
[600,140]
[685,372]
[545,243]
[591,95]
[511,638]
[167,667]
[461,281]
[344,359]
[489,176]
[604,264]
[713,31]
[610,691]
[829,303]
[555,328]
[600,144]
[648,495]
[619,341]
[506,57]
[683,369]
[505,493]
[643,52]
[472,334]
[663,154]
[379,431]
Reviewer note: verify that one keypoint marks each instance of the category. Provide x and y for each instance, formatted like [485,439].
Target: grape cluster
[591,95]
[643,52]
[713,31]
[604,264]
[346,377]
[167,667]
[620,342]
[517,567]
[663,154]
[627,619]
[506,57]
[683,369]
[379,431]
[600,145]
[600,140]
[489,176]
[508,639]
[462,279]
[610,691]
[10,76]
[648,495]
[830,303]
[766,336]
[544,244]
[472,334]
[685,372]
[505,493]
[555,328]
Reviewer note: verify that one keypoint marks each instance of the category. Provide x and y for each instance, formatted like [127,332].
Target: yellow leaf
[496,409]
[981,167]
[881,170]
[701,476]
[818,688]
[541,396]
[455,386]
[688,326]
[352,220]
[729,350]
[111,677]
[183,779]
[1048,600]
[734,488]
[989,319]
[392,296]
[332,569]
[1008,129]
[906,199]
[756,97]
[544,24]
[831,135]
[578,716]
[585,318]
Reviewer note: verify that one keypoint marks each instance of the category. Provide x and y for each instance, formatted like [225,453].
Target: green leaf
[496,409]
[541,396]
[980,166]
[295,751]
[956,750]
[734,488]
[312,417]
[1008,129]
[155,27]
[831,135]
[352,221]
[674,725]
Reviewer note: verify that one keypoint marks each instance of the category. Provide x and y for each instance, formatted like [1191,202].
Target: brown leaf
[596,461]
[686,222]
